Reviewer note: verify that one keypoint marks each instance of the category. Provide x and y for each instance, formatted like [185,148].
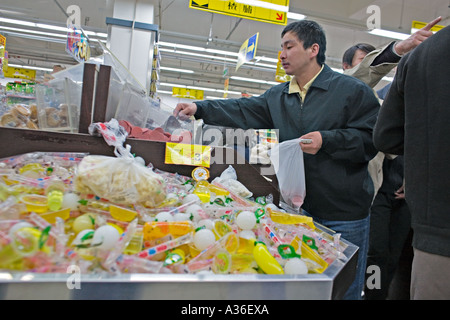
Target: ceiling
[344,22]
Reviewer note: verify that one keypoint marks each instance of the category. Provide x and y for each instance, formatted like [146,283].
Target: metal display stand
[331,284]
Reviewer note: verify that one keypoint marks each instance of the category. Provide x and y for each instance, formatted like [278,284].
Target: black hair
[350,52]
[309,32]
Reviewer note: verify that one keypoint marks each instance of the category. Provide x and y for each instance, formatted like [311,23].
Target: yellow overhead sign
[187,93]
[419,25]
[271,11]
[20,73]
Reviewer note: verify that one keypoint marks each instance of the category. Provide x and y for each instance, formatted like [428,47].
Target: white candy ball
[181,217]
[246,220]
[208,223]
[295,266]
[191,197]
[203,238]
[164,216]
[105,237]
[70,200]
[247,234]
[195,210]
[140,160]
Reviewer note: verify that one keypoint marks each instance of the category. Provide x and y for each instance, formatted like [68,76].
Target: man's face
[294,57]
[357,58]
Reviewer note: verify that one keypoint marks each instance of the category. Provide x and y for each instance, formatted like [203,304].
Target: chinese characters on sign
[271,11]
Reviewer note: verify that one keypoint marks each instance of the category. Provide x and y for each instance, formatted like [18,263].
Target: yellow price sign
[3,56]
[20,73]
[271,11]
[188,154]
[187,93]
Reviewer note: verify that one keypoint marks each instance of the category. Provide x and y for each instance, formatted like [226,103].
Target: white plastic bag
[287,159]
[123,179]
[229,179]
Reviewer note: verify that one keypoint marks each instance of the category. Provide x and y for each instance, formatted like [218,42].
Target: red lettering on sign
[279,16]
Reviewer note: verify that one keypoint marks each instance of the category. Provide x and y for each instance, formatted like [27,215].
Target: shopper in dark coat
[414,121]
[336,112]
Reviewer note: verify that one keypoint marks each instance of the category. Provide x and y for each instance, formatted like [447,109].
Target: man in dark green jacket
[337,112]
[414,121]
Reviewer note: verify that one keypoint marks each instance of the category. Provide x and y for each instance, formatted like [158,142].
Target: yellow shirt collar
[295,88]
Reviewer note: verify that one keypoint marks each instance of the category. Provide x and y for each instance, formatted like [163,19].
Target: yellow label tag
[188,154]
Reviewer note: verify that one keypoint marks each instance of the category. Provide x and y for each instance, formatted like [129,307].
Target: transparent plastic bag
[123,179]
[229,179]
[287,159]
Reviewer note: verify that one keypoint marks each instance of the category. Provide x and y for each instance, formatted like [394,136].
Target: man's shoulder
[348,80]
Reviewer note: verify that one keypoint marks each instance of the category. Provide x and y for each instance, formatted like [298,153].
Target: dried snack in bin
[119,180]
[9,120]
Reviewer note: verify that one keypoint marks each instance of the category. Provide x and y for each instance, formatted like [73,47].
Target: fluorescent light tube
[254,80]
[176,70]
[51,27]
[295,16]
[34,32]
[389,34]
[29,67]
[20,22]
[198,55]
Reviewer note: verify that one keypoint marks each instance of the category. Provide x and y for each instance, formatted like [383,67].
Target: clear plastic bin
[58,102]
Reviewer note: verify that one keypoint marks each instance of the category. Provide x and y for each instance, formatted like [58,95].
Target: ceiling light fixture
[389,34]
[34,32]
[209,50]
[254,80]
[29,67]
[48,27]
[295,16]
[176,70]
[20,22]
[198,55]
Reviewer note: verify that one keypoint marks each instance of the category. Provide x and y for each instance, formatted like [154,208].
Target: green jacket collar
[322,81]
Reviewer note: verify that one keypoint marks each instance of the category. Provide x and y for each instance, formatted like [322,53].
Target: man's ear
[314,50]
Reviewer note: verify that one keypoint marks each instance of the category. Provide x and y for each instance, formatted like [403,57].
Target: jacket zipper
[301,111]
